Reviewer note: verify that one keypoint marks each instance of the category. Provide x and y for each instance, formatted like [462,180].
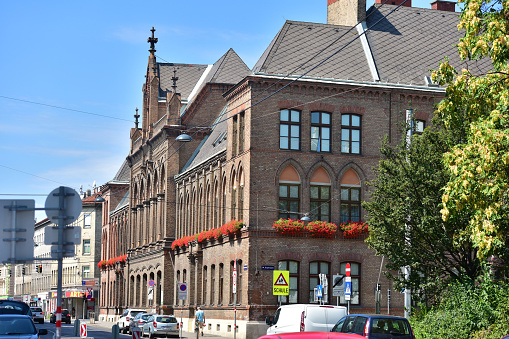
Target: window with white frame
[86,246]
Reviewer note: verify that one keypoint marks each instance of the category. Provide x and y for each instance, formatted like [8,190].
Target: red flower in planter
[288,226]
[352,229]
[231,227]
[321,228]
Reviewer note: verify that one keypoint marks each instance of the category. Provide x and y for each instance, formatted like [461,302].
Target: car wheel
[124,330]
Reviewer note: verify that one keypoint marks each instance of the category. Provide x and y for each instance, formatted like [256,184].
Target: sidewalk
[109,324]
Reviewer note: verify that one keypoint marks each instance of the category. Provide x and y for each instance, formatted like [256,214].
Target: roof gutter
[350,82]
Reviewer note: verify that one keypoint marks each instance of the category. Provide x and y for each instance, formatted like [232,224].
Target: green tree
[476,110]
[405,222]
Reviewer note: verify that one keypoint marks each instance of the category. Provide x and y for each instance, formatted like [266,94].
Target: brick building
[298,135]
[114,247]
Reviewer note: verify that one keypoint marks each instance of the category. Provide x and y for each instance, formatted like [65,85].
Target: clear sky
[90,58]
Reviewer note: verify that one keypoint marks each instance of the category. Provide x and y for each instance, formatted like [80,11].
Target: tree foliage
[466,310]
[405,222]
[476,111]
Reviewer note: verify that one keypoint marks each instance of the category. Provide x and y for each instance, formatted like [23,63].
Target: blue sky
[90,57]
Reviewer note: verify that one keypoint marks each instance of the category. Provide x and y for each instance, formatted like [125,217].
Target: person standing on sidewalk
[199,318]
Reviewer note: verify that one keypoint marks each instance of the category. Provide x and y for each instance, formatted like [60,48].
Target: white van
[305,318]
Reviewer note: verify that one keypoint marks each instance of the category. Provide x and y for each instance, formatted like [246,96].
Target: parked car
[375,326]
[66,317]
[138,321]
[14,307]
[123,321]
[304,318]
[311,335]
[19,326]
[37,314]
[160,325]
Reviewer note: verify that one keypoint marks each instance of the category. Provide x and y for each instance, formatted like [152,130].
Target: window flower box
[352,229]
[288,226]
[321,229]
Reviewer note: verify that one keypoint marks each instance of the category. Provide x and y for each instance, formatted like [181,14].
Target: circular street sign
[347,269]
[151,283]
[71,206]
[183,287]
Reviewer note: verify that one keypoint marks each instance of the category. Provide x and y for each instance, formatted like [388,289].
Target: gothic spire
[152,42]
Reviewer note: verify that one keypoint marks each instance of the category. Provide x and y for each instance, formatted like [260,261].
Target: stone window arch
[350,207]
[289,193]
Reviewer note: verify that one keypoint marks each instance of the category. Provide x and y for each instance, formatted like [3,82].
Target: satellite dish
[71,205]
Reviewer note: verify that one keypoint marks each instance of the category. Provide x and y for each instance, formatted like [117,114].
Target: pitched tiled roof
[212,145]
[229,69]
[123,173]
[411,41]
[188,76]
[404,47]
[299,46]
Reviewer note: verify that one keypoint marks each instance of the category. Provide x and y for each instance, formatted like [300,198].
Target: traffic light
[40,268]
[23,270]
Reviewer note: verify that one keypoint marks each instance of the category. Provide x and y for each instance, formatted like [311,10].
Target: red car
[312,335]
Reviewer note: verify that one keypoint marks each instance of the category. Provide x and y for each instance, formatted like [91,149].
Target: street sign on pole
[348,288]
[347,269]
[280,284]
[17,230]
[150,293]
[337,285]
[182,291]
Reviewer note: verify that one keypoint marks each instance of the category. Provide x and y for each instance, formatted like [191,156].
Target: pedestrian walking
[199,318]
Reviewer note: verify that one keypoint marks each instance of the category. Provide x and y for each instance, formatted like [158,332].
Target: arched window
[320,195]
[233,196]
[240,214]
[315,269]
[289,193]
[350,197]
[205,285]
[355,274]
[293,268]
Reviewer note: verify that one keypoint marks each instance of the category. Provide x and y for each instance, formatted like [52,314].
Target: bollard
[114,332]
[76,328]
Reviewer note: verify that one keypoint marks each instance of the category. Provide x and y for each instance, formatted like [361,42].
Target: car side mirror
[268,321]
[43,331]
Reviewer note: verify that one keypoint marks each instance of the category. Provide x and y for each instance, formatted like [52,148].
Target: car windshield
[134,313]
[65,312]
[16,325]
[36,309]
[166,319]
[389,326]
[14,307]
[146,316]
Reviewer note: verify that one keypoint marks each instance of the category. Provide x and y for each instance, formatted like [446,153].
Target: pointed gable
[229,69]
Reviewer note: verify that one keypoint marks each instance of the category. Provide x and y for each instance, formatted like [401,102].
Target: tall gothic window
[234,136]
[320,194]
[289,193]
[350,208]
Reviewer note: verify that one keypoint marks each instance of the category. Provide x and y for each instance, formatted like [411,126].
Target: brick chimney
[441,5]
[346,12]
[395,2]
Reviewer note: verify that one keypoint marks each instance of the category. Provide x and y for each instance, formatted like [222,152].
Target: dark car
[375,326]
[14,307]
[66,317]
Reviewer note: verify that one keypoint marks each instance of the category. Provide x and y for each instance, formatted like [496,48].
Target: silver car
[19,326]
[160,326]
[138,321]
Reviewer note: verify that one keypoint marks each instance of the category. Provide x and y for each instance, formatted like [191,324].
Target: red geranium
[321,228]
[352,229]
[288,226]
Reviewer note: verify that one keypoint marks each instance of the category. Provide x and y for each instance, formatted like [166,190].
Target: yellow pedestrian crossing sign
[280,284]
